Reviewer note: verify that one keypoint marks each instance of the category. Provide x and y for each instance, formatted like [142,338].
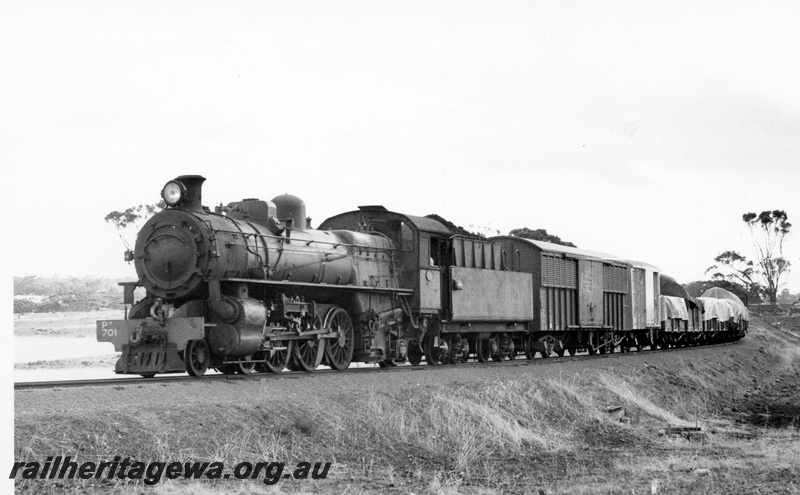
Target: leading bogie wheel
[339,350]
[245,365]
[196,357]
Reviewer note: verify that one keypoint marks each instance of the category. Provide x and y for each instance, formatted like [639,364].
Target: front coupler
[148,345]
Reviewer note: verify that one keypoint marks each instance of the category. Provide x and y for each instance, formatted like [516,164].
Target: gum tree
[767,272]
[129,220]
[768,230]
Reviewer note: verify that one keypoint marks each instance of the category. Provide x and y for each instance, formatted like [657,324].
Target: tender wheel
[276,359]
[339,351]
[307,354]
[196,357]
[414,353]
[432,351]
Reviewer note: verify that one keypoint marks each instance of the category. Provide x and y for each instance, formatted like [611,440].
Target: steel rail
[301,374]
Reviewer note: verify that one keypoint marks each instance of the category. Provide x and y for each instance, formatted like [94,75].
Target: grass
[66,324]
[526,435]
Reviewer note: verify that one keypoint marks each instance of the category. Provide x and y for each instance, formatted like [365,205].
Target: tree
[456,228]
[740,273]
[764,275]
[772,226]
[539,235]
[128,220]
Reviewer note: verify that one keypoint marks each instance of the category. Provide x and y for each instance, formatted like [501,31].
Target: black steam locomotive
[252,288]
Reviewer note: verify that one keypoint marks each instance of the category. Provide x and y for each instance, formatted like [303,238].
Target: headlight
[173,193]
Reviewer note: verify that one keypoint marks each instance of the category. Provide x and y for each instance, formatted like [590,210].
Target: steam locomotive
[251,287]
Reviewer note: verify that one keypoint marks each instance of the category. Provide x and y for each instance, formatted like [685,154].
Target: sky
[640,128]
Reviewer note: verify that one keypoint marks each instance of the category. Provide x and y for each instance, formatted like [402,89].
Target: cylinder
[242,337]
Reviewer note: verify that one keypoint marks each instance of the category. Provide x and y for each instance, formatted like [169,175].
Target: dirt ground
[384,430]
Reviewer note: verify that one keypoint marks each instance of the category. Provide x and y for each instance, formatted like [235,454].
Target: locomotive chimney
[194,192]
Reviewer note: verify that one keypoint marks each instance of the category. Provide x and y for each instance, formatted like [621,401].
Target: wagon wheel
[625,345]
[654,344]
[414,353]
[147,375]
[274,360]
[515,351]
[432,352]
[530,352]
[494,348]
[483,349]
[465,348]
[547,342]
[339,351]
[196,357]
[638,344]
[571,351]
[559,348]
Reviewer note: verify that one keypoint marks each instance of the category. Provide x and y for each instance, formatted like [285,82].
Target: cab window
[425,251]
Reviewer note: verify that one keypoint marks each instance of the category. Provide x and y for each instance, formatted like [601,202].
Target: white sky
[639,128]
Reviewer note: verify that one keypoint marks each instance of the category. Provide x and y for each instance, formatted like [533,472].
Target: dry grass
[71,324]
[526,435]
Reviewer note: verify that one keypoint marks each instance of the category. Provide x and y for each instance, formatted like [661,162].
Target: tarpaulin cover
[739,309]
[721,309]
[673,307]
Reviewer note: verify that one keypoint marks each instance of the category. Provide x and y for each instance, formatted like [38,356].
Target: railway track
[520,361]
